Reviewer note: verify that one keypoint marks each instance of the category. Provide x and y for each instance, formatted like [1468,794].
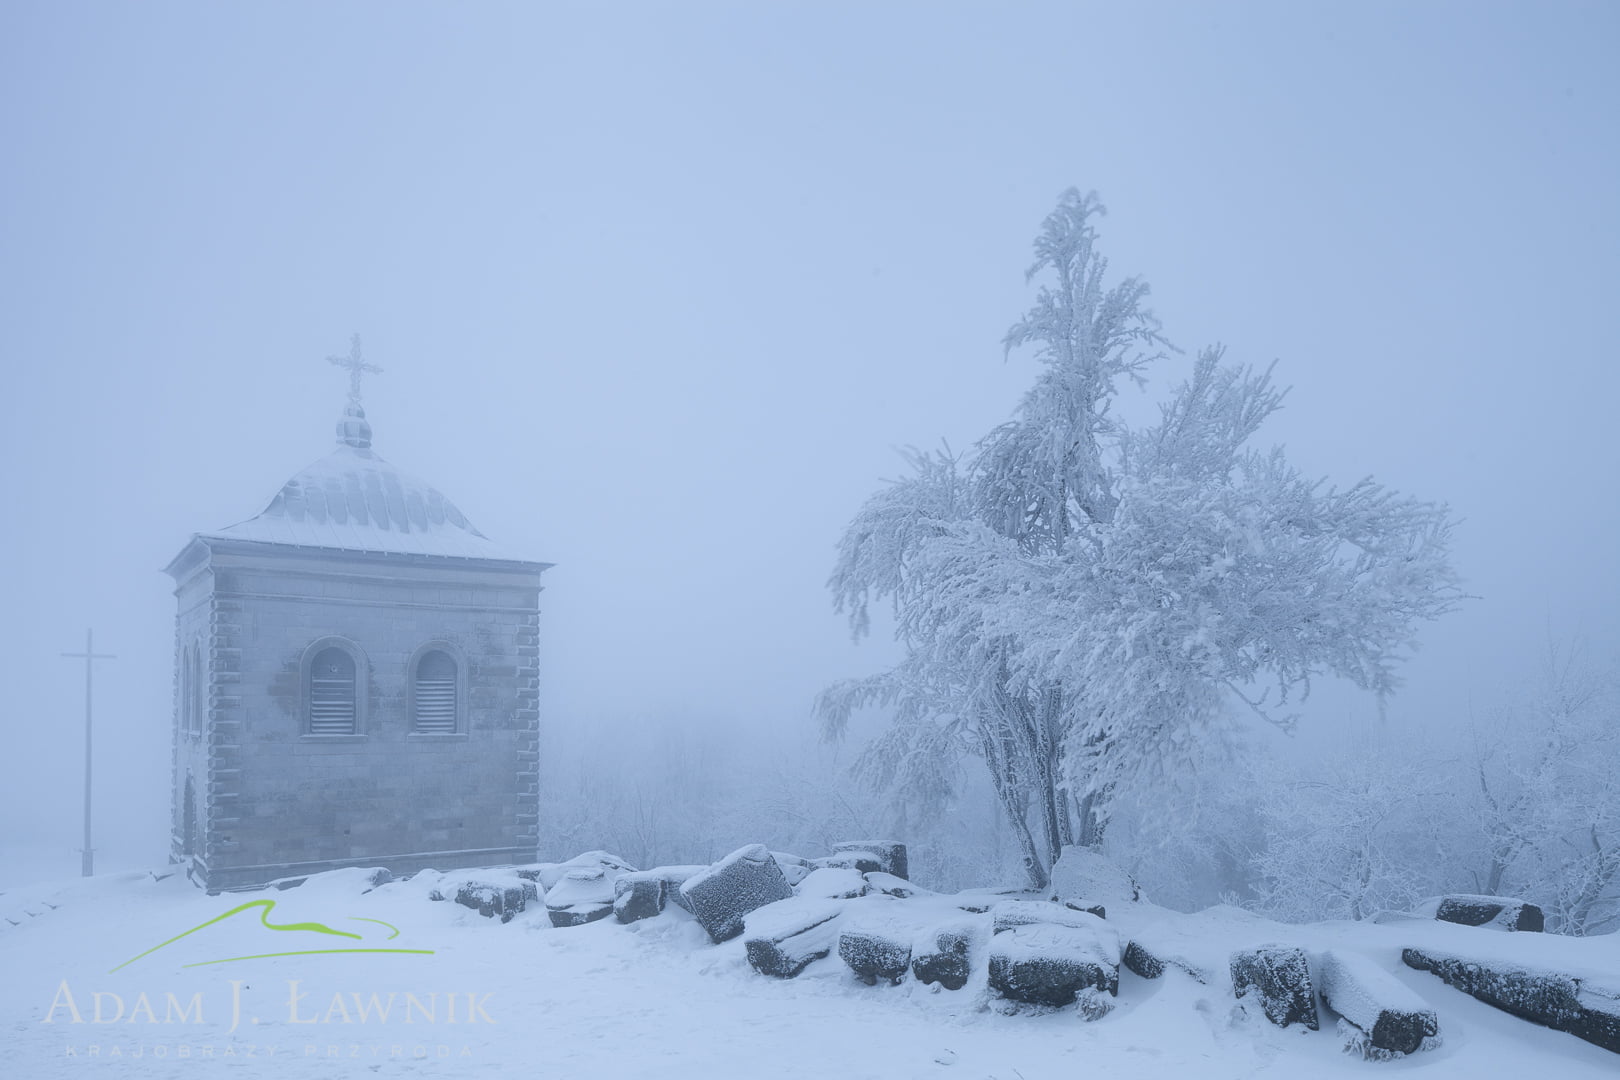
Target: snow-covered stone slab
[638,896]
[1049,964]
[723,894]
[491,899]
[1150,960]
[1496,912]
[1581,1006]
[583,895]
[547,875]
[794,867]
[1279,978]
[890,885]
[833,883]
[1010,913]
[978,901]
[891,857]
[785,937]
[1087,877]
[943,951]
[866,862]
[1389,1018]
[874,953]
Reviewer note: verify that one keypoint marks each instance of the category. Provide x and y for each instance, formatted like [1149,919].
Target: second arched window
[435,696]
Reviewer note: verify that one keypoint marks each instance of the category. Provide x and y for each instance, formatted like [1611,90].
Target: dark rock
[722,895]
[491,900]
[673,878]
[794,868]
[1150,961]
[891,857]
[943,954]
[1280,978]
[1390,1017]
[1496,911]
[873,954]
[638,896]
[1559,1001]
[785,937]
[1049,964]
[1093,1003]
[578,915]
[1144,963]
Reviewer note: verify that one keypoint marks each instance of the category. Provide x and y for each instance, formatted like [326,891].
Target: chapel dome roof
[351,499]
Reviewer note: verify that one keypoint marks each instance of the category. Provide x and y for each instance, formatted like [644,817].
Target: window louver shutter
[331,694]
[436,694]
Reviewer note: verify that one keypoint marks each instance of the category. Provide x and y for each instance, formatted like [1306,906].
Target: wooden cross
[89,656]
[356,368]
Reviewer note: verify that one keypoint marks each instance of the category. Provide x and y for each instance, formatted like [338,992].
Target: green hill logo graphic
[265,907]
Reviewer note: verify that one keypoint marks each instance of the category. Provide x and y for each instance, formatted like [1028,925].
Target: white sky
[658,287]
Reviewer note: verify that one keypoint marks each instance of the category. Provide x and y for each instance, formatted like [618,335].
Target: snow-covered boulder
[1150,960]
[795,868]
[1583,1007]
[721,895]
[1010,913]
[875,952]
[978,901]
[547,875]
[1049,964]
[581,896]
[890,885]
[1388,1018]
[785,937]
[833,883]
[943,951]
[641,894]
[1278,979]
[638,896]
[890,856]
[1496,912]
[490,899]
[865,862]
[1086,878]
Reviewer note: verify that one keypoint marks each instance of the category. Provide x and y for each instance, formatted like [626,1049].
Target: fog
[658,290]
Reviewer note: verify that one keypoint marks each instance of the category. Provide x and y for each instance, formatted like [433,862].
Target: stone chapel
[356,680]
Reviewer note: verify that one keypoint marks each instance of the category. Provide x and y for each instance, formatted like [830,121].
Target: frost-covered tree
[1347,839]
[1546,795]
[1080,601]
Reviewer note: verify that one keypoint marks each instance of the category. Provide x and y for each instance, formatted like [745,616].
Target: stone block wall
[281,801]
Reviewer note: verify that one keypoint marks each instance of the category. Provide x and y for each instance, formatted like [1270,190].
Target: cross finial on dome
[356,368]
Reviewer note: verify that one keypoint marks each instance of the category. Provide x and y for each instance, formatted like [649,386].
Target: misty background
[658,290]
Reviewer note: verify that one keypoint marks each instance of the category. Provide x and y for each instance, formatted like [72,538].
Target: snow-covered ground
[654,998]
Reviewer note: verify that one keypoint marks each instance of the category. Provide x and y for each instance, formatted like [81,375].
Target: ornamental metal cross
[356,367]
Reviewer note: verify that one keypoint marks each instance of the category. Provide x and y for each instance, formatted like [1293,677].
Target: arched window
[434,700]
[331,693]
